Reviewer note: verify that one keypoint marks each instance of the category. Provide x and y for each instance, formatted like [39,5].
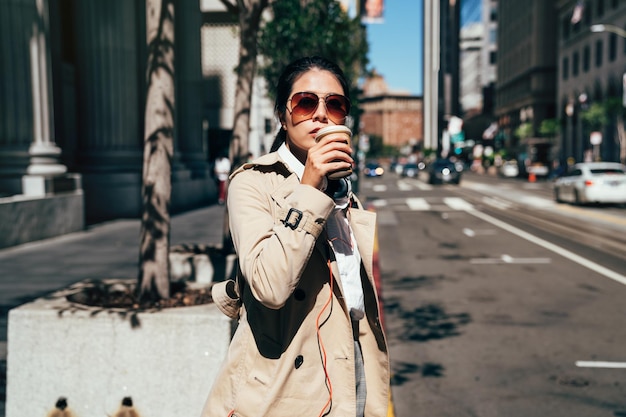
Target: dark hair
[289,76]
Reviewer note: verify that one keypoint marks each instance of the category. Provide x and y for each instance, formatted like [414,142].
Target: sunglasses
[305,103]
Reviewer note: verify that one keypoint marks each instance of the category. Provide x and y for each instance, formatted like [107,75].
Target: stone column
[110,78]
[110,107]
[189,86]
[28,153]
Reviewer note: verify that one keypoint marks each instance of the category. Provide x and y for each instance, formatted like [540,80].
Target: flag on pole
[577,15]
[372,11]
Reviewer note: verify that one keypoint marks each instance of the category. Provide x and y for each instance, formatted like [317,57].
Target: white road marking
[551,247]
[458,204]
[473,233]
[418,204]
[379,188]
[379,203]
[538,202]
[422,186]
[403,186]
[496,202]
[507,259]
[600,364]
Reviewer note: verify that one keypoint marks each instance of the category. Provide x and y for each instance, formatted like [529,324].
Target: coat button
[299,294]
[298,361]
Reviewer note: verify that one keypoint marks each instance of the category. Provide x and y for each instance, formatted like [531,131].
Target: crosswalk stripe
[379,188]
[403,186]
[423,186]
[422,204]
[417,204]
[408,185]
[458,203]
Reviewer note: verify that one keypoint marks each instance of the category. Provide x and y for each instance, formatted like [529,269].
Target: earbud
[338,188]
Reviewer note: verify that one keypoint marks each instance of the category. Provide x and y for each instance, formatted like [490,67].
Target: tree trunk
[154,280]
[250,13]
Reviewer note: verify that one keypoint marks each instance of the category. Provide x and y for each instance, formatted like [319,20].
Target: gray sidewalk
[108,250]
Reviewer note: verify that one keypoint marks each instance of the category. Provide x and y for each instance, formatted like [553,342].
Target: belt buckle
[293,223]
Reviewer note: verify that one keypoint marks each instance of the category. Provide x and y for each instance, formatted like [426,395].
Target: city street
[498,301]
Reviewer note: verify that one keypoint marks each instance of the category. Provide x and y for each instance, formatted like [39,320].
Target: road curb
[378,284]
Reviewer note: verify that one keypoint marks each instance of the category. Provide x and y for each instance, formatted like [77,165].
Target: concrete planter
[166,360]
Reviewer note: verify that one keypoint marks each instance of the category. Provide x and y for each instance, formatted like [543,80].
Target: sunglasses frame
[329,111]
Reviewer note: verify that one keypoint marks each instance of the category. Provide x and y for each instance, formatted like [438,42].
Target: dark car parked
[444,171]
[412,169]
[373,169]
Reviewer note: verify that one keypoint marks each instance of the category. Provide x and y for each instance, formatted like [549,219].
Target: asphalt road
[500,302]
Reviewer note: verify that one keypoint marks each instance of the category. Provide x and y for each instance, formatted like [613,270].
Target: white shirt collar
[292,162]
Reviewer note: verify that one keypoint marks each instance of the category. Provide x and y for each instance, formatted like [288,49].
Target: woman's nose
[320,111]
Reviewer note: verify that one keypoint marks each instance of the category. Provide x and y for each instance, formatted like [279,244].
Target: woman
[309,340]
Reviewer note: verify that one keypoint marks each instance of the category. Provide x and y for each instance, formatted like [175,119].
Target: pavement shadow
[421,324]
[412,282]
[426,322]
[402,370]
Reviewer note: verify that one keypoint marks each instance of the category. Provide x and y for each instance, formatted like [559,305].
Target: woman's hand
[331,153]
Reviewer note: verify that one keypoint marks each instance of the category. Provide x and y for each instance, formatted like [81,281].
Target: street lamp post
[602,27]
[608,28]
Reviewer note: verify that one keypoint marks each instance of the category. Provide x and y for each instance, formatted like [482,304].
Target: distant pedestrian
[309,340]
[222,171]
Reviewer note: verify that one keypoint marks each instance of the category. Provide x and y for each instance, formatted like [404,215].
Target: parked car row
[592,182]
[509,169]
[582,183]
[411,169]
[373,169]
[439,171]
[444,171]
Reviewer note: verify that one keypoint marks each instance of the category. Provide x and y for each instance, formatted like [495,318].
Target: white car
[509,169]
[592,182]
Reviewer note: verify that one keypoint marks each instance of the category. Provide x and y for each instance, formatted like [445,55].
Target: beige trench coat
[274,366]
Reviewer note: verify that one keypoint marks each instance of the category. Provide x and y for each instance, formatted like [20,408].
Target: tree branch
[230,7]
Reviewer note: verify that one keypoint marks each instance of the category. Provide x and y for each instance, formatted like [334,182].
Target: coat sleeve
[274,232]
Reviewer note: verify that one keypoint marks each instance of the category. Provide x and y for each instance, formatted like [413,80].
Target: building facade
[72,102]
[397,118]
[525,91]
[470,72]
[591,70]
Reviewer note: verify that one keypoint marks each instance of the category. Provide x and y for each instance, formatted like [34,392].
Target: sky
[396,45]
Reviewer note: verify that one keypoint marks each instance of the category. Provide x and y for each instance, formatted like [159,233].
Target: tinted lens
[304,104]
[337,107]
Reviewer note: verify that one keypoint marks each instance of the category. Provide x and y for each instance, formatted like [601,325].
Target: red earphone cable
[323,349]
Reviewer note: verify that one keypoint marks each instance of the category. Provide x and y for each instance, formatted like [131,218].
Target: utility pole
[431,74]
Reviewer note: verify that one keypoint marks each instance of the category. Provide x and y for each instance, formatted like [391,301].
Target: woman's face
[301,133]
